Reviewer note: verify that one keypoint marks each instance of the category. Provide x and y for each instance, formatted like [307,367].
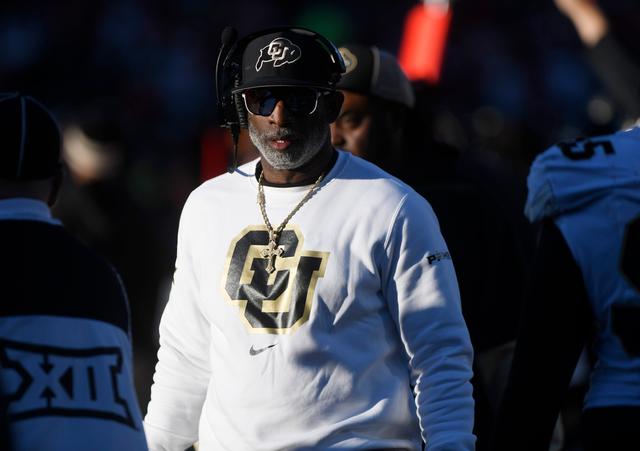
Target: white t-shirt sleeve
[424,300]
[182,373]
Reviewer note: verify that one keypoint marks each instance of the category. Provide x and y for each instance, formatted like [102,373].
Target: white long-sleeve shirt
[356,341]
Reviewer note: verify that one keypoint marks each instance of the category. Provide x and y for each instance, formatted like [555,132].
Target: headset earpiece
[241,112]
[224,77]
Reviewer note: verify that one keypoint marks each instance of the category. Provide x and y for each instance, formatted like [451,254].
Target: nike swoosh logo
[256,351]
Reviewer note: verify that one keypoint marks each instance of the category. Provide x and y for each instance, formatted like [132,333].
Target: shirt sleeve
[182,373]
[552,334]
[423,297]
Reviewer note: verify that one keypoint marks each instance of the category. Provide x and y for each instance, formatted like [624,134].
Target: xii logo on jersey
[39,381]
[277,302]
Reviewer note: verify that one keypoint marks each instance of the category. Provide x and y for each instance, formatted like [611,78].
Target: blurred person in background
[102,202]
[379,122]
[65,337]
[584,290]
[612,62]
[378,101]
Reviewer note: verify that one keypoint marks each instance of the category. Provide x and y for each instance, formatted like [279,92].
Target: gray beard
[299,152]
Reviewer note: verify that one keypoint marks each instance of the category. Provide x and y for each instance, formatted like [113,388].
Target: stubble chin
[292,158]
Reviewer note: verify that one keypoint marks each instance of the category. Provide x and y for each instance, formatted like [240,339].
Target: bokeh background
[132,82]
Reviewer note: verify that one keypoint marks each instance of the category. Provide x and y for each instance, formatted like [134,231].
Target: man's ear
[333,104]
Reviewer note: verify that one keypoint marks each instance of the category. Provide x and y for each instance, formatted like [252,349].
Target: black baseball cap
[30,139]
[294,57]
[374,72]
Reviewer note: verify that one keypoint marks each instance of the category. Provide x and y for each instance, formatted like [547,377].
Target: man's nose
[337,137]
[280,115]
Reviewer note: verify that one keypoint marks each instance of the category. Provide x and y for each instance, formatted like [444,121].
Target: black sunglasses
[262,101]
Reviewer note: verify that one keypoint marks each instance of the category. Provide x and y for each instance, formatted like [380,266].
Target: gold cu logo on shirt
[276,303]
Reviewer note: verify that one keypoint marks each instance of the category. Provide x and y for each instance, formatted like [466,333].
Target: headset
[231,109]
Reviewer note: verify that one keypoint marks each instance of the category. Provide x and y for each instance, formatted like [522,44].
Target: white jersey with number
[591,188]
[355,341]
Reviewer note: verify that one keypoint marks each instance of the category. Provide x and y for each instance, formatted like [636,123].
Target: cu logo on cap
[279,51]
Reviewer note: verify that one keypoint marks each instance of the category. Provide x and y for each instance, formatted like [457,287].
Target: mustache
[282,133]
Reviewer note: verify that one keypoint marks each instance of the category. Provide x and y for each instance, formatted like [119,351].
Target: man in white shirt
[324,315]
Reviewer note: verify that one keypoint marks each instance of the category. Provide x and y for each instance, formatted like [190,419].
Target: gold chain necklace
[272,250]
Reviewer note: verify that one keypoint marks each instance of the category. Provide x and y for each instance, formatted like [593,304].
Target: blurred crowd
[132,82]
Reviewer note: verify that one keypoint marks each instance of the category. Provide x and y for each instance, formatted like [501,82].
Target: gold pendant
[271,252]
